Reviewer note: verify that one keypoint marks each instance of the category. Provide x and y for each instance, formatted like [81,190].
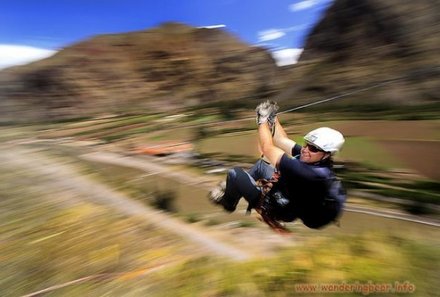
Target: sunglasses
[312,148]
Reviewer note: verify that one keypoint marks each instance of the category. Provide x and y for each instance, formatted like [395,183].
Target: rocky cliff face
[361,42]
[167,68]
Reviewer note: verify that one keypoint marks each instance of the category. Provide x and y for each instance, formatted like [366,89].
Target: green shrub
[164,200]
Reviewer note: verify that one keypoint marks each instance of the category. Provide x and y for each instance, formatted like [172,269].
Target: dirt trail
[149,166]
[65,176]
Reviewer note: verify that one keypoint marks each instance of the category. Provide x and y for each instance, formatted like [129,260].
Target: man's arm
[270,151]
[281,140]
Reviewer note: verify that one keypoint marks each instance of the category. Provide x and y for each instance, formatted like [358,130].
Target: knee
[232,173]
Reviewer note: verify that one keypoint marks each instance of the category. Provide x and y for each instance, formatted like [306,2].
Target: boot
[218,197]
[217,194]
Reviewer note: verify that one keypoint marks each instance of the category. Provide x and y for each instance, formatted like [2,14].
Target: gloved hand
[267,112]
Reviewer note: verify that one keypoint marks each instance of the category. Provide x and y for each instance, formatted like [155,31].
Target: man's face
[311,154]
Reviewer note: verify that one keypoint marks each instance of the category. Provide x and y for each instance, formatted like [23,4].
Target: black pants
[240,183]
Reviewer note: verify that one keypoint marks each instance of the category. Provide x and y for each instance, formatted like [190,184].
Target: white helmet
[326,139]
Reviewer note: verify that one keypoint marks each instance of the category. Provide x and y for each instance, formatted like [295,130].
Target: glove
[267,112]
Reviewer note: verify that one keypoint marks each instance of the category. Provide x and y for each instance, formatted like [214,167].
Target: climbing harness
[262,206]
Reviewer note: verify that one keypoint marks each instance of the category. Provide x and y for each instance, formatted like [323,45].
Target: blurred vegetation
[50,236]
[47,242]
[347,109]
[378,258]
[375,182]
[132,182]
[164,200]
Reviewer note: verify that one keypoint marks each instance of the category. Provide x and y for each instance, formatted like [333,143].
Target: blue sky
[37,28]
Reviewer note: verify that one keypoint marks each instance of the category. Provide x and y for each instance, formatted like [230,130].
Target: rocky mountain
[357,43]
[170,67]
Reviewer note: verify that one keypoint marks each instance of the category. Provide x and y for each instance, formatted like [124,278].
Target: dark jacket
[309,192]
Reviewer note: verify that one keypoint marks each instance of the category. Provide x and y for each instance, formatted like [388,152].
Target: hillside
[361,42]
[166,68]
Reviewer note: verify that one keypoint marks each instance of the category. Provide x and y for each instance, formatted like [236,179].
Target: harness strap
[265,187]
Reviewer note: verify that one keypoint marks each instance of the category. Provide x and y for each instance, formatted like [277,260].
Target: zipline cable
[341,95]
[356,91]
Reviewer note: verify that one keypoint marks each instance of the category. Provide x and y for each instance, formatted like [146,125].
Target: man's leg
[238,184]
[262,170]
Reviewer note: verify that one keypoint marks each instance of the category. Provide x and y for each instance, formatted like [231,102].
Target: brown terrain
[167,68]
[360,43]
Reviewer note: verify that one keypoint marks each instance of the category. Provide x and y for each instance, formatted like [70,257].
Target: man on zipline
[291,181]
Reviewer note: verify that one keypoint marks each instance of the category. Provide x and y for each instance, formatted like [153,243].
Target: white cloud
[295,28]
[12,55]
[213,26]
[270,34]
[287,56]
[305,4]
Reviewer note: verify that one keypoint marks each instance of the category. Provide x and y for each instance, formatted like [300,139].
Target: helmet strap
[326,155]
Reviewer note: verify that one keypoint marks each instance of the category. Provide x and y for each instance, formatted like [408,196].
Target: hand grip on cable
[266,112]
